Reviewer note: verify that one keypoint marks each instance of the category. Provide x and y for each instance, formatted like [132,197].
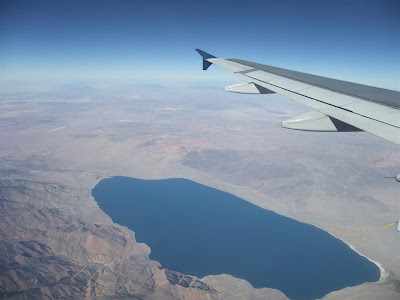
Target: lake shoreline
[151,199]
[383,272]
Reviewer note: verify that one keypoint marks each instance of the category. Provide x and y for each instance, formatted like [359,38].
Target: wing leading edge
[338,105]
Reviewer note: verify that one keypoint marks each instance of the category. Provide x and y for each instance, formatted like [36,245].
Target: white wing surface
[339,105]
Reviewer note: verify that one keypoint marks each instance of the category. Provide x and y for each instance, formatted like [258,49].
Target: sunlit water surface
[201,231]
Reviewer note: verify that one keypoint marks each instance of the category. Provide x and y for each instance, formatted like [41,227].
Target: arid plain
[58,140]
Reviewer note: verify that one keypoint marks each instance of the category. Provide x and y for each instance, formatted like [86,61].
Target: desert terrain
[59,139]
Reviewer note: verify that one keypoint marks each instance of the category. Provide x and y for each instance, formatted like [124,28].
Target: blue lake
[202,231]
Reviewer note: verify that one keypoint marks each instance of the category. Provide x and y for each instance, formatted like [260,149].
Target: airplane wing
[338,105]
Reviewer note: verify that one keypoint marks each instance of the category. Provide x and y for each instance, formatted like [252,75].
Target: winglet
[205,56]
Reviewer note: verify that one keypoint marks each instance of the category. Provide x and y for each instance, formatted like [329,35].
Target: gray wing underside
[338,105]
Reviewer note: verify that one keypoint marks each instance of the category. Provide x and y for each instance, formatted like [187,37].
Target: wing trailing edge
[343,106]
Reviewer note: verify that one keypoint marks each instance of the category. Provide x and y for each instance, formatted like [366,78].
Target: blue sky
[155,40]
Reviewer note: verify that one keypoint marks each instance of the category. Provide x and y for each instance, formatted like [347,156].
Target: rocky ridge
[52,251]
